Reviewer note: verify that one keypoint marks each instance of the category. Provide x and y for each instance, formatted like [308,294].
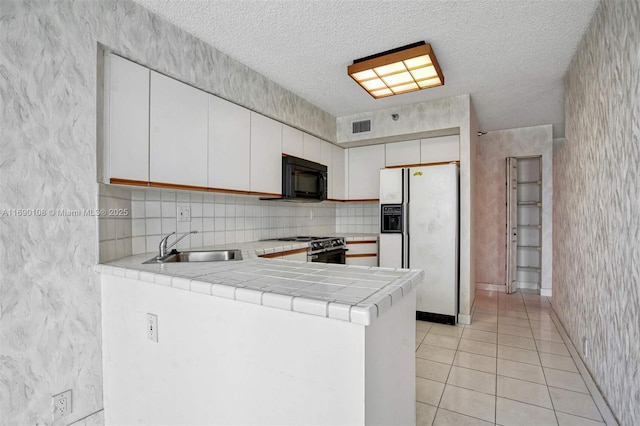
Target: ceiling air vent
[361,126]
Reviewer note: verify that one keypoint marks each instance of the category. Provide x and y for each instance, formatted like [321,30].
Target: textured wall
[596,263]
[49,295]
[493,148]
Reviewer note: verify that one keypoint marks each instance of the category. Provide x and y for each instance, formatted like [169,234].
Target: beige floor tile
[440,340]
[483,326]
[515,322]
[481,348]
[519,355]
[425,414]
[559,362]
[540,316]
[538,325]
[423,326]
[469,402]
[450,418]
[516,341]
[481,336]
[472,379]
[513,314]
[432,370]
[485,318]
[552,347]
[527,392]
[565,380]
[419,336]
[435,353]
[475,362]
[565,419]
[515,331]
[550,336]
[485,310]
[510,412]
[428,391]
[447,330]
[575,403]
[522,371]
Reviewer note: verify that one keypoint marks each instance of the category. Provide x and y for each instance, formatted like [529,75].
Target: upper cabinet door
[326,158]
[440,150]
[178,139]
[229,145]
[336,173]
[365,163]
[266,155]
[292,141]
[312,148]
[126,127]
[402,153]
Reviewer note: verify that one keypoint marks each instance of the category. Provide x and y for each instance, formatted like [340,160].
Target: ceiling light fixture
[405,69]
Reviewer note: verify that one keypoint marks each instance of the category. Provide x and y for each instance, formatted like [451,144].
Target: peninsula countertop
[356,294]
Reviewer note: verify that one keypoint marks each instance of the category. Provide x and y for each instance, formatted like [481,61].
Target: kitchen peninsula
[258,341]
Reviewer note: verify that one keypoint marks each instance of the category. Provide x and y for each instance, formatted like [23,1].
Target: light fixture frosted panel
[409,68]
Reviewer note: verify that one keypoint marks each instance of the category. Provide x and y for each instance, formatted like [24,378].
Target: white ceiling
[510,55]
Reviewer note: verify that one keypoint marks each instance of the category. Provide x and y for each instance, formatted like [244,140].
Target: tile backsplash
[219,219]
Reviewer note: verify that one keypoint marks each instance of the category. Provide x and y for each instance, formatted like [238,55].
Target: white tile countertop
[357,294]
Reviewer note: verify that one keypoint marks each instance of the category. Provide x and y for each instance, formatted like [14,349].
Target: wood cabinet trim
[363,242]
[423,164]
[363,255]
[283,253]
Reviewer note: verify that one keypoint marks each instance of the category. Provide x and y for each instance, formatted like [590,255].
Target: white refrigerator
[419,222]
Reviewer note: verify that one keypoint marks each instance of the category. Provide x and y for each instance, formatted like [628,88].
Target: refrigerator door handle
[406,208]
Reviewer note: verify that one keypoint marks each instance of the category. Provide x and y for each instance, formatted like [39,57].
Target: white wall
[49,295]
[596,237]
[493,149]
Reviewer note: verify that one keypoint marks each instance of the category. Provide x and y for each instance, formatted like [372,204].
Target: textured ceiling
[510,55]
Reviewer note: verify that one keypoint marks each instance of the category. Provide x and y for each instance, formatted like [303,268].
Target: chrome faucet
[163,247]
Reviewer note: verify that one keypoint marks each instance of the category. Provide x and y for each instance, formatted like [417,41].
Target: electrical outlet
[152,327]
[184,213]
[585,347]
[62,405]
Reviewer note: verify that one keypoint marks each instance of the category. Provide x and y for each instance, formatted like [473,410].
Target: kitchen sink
[198,256]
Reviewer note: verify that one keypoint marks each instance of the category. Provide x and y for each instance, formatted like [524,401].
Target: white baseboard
[491,287]
[464,319]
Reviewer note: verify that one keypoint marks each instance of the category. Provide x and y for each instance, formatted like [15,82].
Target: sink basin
[198,256]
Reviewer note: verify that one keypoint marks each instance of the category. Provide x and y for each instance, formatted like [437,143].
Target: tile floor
[509,367]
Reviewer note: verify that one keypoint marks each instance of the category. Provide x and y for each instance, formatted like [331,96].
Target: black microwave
[302,180]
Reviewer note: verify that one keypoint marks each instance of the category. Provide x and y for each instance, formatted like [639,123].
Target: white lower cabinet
[362,253]
[229,145]
[178,132]
[365,163]
[266,155]
[298,255]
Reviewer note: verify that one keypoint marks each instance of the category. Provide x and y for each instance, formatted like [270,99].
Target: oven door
[331,256]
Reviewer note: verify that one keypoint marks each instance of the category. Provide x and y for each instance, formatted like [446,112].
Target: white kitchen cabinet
[292,141]
[362,253]
[126,126]
[365,163]
[266,155]
[440,150]
[229,145]
[336,173]
[297,255]
[326,158]
[312,148]
[402,153]
[178,132]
